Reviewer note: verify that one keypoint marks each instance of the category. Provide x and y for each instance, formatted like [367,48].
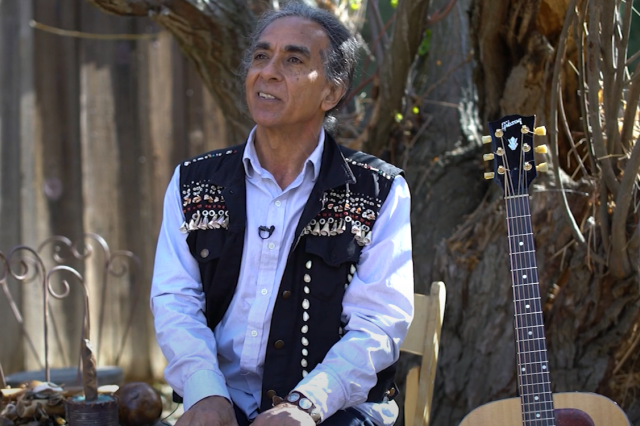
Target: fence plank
[10,355]
[90,133]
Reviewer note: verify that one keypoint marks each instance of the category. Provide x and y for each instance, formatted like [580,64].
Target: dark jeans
[348,417]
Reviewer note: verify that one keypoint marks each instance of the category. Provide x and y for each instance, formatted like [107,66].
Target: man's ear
[333,97]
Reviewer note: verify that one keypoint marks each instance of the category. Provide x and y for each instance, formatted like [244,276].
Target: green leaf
[394,3]
[398,117]
[416,110]
[425,44]
[355,4]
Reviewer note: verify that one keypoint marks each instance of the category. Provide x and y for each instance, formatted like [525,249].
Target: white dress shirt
[377,306]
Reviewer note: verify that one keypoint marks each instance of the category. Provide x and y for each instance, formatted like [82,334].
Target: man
[286,296]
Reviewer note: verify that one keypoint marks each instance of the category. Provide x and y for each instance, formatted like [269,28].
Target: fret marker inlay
[514,148]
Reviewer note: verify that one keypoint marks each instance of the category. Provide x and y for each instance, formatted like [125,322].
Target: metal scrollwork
[60,245]
[25,264]
[118,267]
[15,309]
[89,377]
[25,260]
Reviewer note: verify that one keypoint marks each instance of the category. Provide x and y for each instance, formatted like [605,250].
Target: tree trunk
[589,315]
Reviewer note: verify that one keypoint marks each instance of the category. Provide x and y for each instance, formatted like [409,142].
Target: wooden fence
[90,132]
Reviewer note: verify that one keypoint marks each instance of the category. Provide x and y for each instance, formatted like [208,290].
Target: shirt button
[278,203]
[286,294]
[264,291]
[271,246]
[204,253]
[271,394]
[254,333]
[279,344]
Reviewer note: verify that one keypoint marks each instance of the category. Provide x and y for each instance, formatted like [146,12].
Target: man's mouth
[266,95]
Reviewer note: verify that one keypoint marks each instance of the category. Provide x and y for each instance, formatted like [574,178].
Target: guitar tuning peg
[486,139]
[540,131]
[541,149]
[489,175]
[487,157]
[542,167]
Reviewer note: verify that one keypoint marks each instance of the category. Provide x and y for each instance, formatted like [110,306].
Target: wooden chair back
[423,339]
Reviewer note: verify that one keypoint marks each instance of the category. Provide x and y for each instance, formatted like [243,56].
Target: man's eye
[295,60]
[259,56]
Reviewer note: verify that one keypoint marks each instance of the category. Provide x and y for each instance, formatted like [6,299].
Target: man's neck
[283,153]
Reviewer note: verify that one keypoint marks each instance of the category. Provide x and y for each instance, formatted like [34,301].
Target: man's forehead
[299,33]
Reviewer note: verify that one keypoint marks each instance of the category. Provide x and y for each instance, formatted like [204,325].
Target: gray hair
[341,59]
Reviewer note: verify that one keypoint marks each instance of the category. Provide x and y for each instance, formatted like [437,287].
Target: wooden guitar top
[602,410]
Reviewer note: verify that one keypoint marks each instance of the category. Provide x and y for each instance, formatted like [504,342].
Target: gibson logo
[510,123]
[513,143]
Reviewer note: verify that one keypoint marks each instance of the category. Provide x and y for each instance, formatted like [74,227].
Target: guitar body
[569,409]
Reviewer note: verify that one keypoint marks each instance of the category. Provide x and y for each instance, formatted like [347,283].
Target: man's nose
[271,70]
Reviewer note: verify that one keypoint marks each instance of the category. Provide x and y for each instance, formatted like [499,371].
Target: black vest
[336,223]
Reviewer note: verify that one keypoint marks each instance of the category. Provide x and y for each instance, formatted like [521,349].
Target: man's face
[286,84]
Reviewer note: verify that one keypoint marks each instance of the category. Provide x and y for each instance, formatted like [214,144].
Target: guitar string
[523,288]
[509,190]
[517,205]
[529,289]
[529,373]
[517,212]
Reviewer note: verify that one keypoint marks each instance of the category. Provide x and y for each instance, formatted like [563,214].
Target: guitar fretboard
[533,368]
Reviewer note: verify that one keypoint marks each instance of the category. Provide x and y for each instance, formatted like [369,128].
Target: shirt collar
[252,163]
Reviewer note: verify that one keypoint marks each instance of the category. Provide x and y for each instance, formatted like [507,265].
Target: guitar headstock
[512,149]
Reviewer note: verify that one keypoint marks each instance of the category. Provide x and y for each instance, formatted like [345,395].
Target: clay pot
[138,405]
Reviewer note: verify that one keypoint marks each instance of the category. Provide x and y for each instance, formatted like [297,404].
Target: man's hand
[284,415]
[210,411]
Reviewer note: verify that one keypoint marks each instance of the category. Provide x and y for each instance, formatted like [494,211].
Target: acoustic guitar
[514,169]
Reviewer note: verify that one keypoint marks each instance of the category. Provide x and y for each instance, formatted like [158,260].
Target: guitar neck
[533,369]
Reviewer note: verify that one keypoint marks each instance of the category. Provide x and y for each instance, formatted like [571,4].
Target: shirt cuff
[324,391]
[202,384]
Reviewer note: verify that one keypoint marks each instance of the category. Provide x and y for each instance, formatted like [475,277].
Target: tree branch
[630,111]
[593,79]
[579,37]
[406,38]
[620,264]
[607,8]
[442,13]
[553,119]
[377,18]
[567,132]
[201,29]
[622,44]
[376,47]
